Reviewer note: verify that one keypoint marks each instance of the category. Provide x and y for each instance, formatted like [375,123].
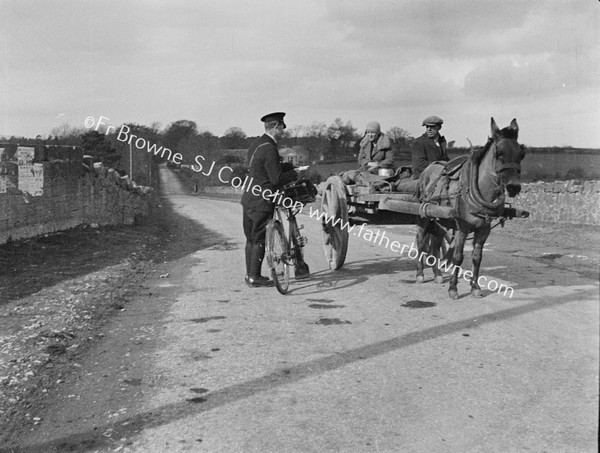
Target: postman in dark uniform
[266,171]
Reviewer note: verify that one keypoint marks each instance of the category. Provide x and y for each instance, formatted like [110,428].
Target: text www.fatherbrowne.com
[380,238]
[247,184]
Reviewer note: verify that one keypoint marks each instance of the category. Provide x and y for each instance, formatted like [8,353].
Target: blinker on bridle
[506,166]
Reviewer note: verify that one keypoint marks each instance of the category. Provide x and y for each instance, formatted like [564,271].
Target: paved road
[357,360]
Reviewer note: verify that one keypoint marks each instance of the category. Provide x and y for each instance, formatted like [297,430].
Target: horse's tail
[432,238]
[433,242]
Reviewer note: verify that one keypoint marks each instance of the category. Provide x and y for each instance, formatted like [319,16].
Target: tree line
[336,141]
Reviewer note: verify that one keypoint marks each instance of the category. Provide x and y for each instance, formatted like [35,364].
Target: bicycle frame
[286,251]
[295,241]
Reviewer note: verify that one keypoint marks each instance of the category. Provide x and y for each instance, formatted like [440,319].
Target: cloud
[429,28]
[223,63]
[550,40]
[537,76]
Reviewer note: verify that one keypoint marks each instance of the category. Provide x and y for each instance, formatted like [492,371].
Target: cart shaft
[420,209]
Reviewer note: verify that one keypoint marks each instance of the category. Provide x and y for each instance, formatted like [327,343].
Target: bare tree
[397,134]
[234,138]
[341,138]
[314,138]
[67,134]
[177,131]
[401,141]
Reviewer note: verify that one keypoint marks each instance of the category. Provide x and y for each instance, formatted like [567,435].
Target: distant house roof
[294,151]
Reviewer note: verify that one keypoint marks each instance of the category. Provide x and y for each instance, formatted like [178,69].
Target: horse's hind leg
[479,239]
[436,251]
[457,259]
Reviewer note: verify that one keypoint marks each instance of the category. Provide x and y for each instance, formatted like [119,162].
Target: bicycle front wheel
[278,256]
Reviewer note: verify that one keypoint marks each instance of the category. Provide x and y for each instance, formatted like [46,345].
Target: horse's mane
[478,152]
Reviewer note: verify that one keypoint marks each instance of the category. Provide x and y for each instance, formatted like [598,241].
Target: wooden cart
[338,200]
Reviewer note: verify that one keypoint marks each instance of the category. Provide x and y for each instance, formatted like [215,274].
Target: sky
[227,63]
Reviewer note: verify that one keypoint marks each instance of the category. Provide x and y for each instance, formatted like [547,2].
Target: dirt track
[358,360]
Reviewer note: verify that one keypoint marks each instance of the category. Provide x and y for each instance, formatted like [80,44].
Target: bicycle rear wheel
[278,256]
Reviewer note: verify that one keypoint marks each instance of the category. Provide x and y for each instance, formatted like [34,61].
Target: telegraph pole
[130,161]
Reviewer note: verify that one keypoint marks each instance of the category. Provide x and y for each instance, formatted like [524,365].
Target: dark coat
[266,171]
[425,151]
[382,152]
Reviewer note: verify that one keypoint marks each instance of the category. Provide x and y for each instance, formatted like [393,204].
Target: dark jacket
[266,171]
[382,152]
[425,151]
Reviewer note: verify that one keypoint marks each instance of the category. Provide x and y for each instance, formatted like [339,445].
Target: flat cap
[275,116]
[433,121]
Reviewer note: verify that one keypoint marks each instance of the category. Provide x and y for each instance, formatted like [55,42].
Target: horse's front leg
[457,259]
[479,239]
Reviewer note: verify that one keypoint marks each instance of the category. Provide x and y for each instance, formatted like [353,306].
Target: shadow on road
[354,273]
[28,266]
[176,411]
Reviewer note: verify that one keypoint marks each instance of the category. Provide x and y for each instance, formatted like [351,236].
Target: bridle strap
[478,203]
[507,166]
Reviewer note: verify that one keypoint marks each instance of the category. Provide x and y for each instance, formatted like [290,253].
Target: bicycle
[284,252]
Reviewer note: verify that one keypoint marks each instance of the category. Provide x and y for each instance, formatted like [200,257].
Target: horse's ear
[495,129]
[514,126]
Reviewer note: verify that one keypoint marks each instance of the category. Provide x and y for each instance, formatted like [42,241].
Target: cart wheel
[277,256]
[335,227]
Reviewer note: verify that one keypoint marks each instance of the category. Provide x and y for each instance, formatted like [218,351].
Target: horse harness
[456,179]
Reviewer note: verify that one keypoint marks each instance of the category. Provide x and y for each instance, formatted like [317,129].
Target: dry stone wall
[561,201]
[72,194]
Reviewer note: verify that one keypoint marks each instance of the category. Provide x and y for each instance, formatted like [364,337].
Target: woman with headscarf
[375,150]
[375,153]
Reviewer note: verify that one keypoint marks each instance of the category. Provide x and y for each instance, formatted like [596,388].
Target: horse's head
[507,156]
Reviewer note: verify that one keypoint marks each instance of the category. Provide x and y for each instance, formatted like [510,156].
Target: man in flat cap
[429,147]
[266,171]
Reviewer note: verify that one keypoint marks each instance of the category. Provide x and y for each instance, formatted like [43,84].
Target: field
[547,166]
[560,166]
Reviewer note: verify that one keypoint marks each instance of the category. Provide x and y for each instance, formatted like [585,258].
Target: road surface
[357,360]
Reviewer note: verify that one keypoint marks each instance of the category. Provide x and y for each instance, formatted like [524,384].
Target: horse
[477,195]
